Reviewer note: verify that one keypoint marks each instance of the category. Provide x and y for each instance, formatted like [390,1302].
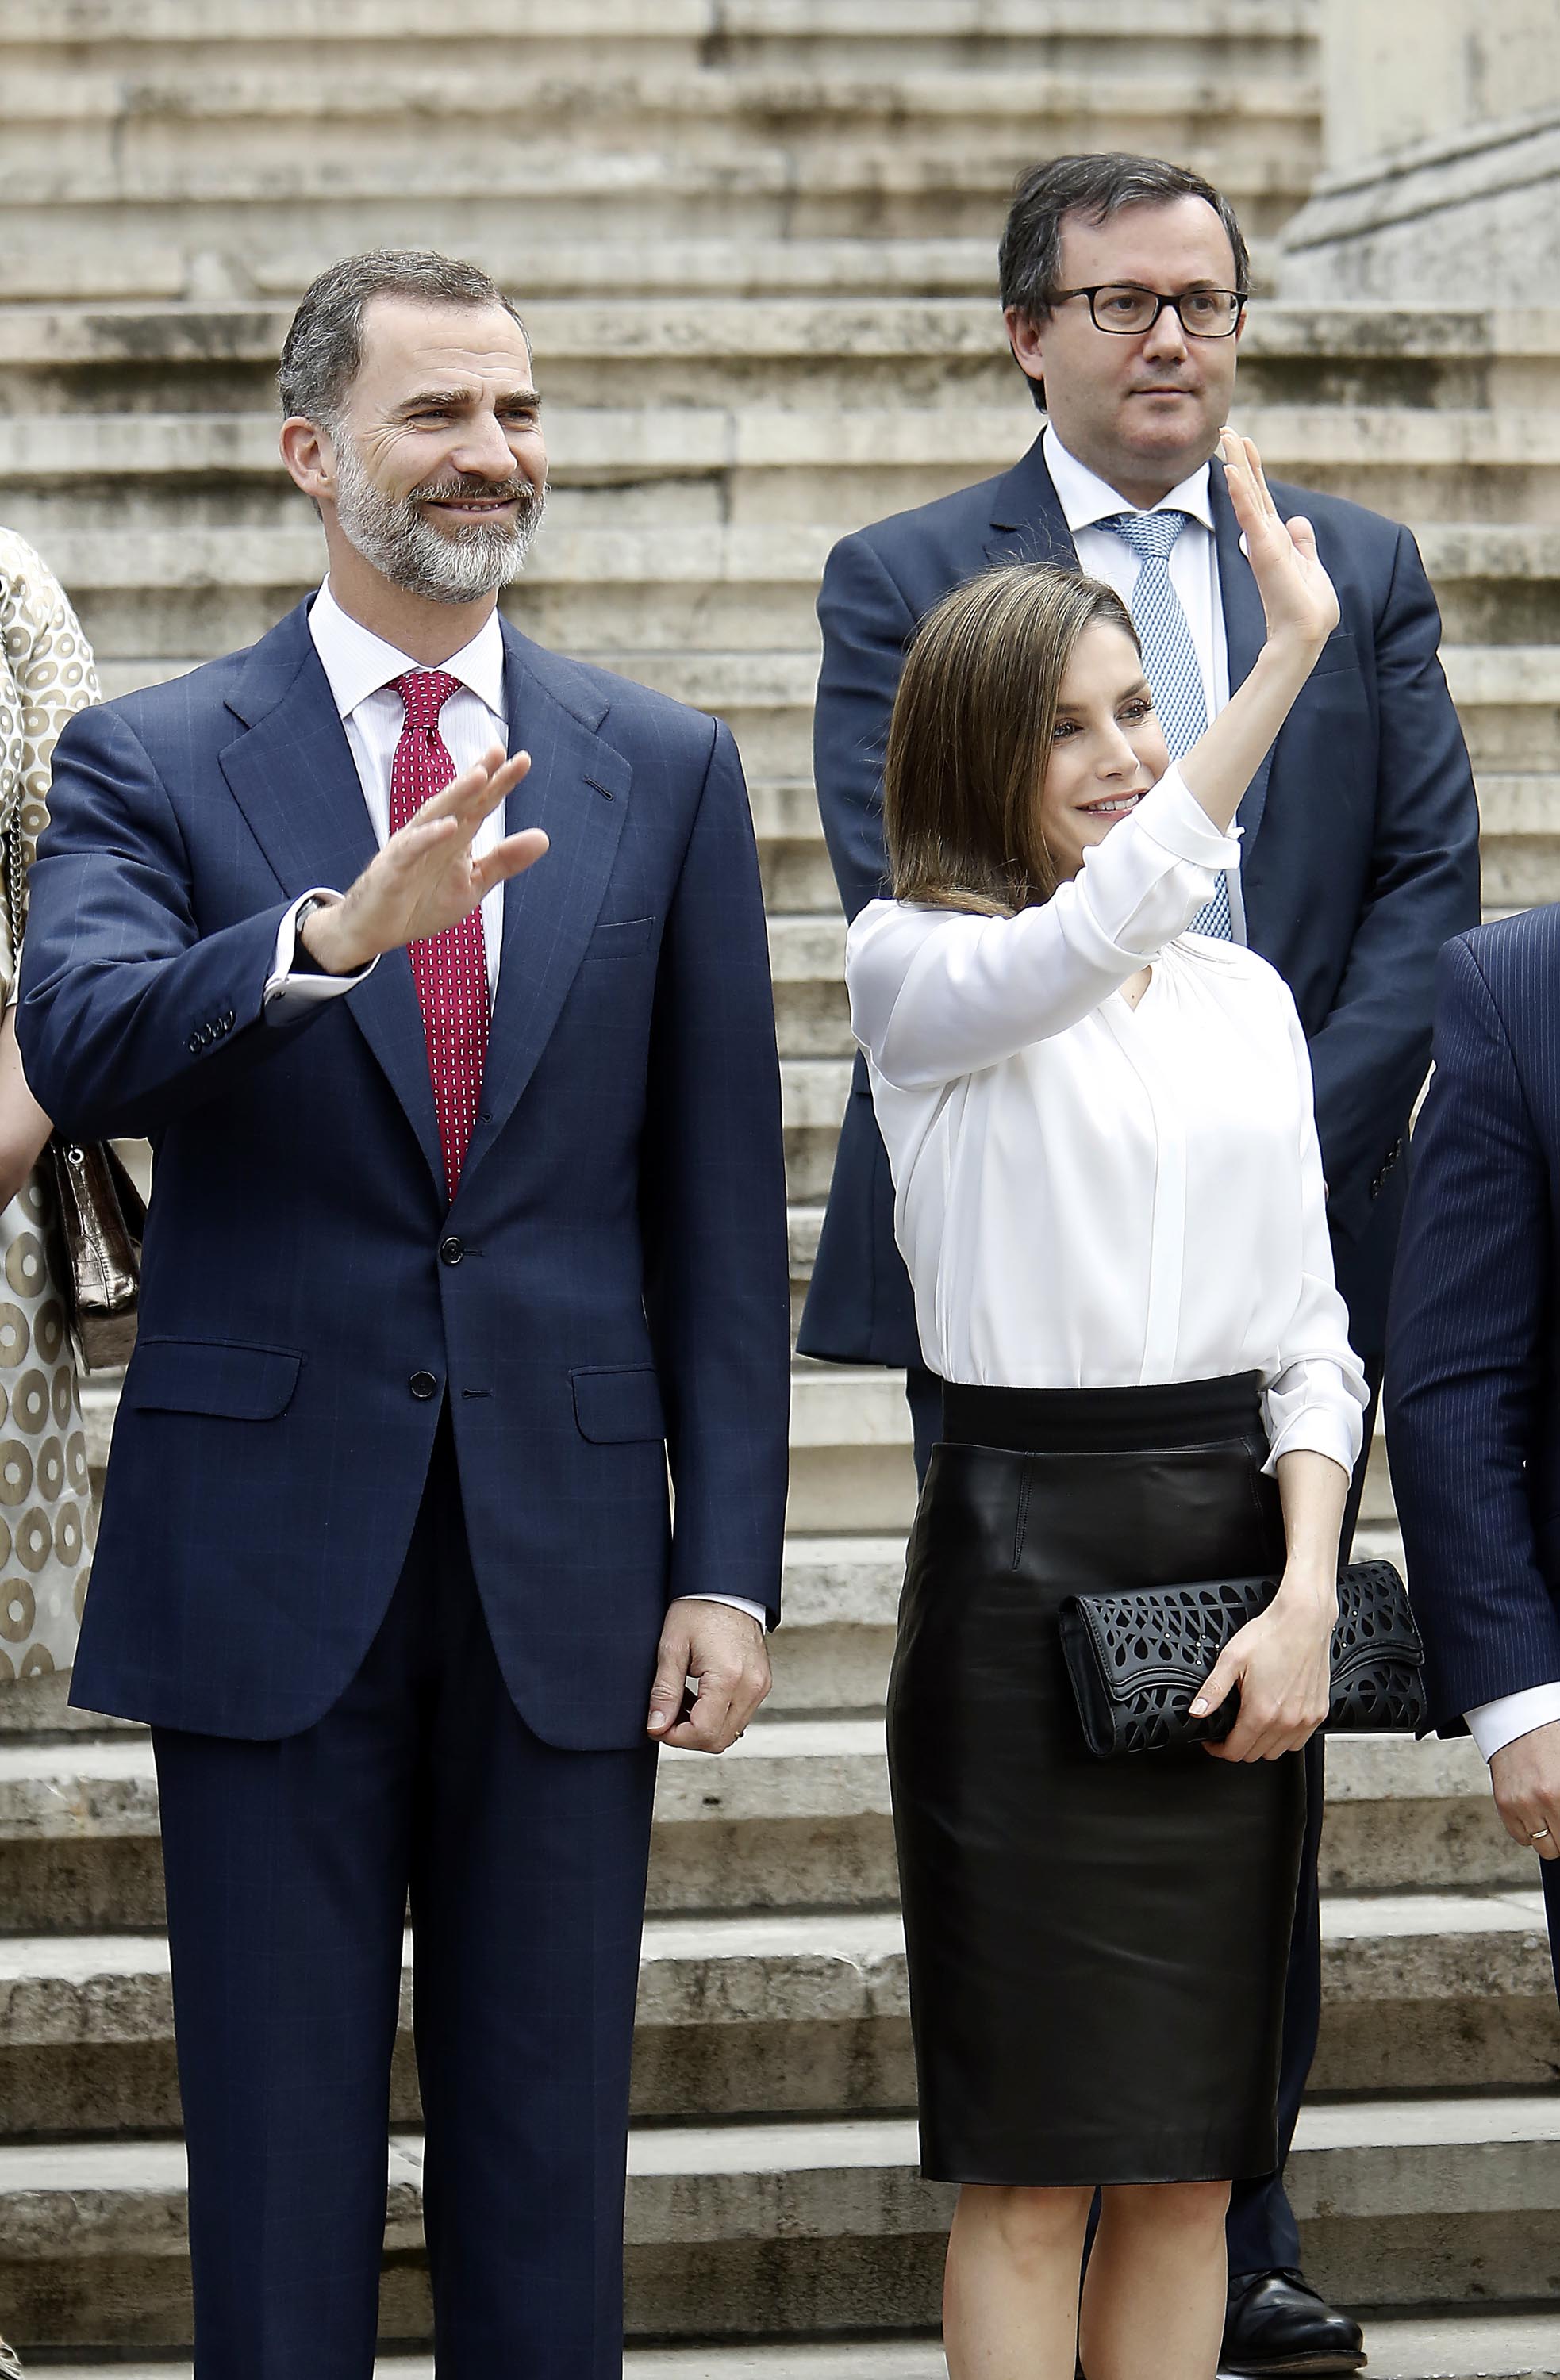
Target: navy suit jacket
[620,1295]
[1474,1353]
[1360,853]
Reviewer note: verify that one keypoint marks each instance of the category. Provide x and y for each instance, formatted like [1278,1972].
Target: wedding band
[1538,1834]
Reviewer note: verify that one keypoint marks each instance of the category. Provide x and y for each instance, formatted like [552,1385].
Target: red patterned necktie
[450,970]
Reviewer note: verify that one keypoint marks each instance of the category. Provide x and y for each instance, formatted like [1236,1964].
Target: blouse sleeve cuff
[1172,816]
[1296,1427]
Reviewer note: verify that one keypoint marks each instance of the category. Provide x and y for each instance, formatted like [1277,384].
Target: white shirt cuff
[282,987]
[1494,1725]
[1171,816]
[736,1603]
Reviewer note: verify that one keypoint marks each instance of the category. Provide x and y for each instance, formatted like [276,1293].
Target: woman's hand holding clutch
[1281,1662]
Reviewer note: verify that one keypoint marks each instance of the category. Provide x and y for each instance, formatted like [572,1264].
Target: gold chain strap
[16,905]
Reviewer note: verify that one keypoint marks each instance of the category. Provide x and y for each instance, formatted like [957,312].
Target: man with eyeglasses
[1125,285]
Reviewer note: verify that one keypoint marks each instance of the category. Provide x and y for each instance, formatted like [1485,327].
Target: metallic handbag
[102,1218]
[101,1214]
[1137,1661]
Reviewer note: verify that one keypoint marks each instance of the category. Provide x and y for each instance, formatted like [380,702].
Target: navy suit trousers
[289,1865]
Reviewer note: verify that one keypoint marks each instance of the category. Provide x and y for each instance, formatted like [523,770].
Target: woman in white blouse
[1109,1194]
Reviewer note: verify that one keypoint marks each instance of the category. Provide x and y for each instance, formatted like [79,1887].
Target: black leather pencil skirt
[1097,1948]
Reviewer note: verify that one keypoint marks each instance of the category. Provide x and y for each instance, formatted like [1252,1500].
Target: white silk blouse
[1088,1195]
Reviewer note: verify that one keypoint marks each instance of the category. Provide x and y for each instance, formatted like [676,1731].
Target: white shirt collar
[1085,498]
[358,664]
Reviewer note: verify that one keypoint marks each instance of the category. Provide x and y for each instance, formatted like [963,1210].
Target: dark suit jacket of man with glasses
[1360,857]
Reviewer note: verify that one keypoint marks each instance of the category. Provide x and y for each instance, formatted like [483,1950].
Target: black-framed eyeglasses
[1126,309]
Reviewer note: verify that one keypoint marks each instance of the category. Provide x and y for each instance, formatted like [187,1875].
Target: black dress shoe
[1277,2323]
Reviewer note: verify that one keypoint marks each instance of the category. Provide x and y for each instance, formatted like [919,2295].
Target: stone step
[676,267]
[1457,2345]
[796,1818]
[852,1499]
[59,269]
[852,1469]
[1486,486]
[1520,816]
[797,2014]
[317,190]
[737,2016]
[658,587]
[851,1444]
[777,2229]
[893,351]
[832,1655]
[1126,31]
[601,93]
[1507,697]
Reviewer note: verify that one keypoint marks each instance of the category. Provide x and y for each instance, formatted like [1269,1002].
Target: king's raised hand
[426,879]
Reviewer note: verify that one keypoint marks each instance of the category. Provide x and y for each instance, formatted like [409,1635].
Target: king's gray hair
[325,346]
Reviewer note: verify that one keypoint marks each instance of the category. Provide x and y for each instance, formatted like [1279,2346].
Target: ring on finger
[1538,1834]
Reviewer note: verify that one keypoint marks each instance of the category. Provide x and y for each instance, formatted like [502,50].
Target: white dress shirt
[1194,573]
[1093,1195]
[1494,1725]
[360,667]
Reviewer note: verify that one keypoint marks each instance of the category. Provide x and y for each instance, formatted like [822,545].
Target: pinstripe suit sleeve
[1465,1360]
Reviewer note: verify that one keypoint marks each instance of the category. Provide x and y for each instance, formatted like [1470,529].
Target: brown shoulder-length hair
[971,733]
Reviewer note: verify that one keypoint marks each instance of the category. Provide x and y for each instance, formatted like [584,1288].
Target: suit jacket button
[451,1250]
[423,1385]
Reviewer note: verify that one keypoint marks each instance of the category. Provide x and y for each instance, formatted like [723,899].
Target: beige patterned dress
[45,1508]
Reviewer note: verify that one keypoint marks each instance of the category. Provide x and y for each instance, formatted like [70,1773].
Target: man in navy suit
[468,1228]
[1123,281]
[1473,1371]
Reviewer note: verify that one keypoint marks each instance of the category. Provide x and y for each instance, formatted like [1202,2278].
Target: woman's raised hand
[1298,600]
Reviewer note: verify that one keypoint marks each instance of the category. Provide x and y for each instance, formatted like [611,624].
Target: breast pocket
[1339,653]
[621,938]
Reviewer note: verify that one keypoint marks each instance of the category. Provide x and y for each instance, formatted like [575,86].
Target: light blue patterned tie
[1170,661]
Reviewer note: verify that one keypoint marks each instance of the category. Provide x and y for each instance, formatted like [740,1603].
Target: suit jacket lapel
[292,774]
[1245,633]
[1027,522]
[578,791]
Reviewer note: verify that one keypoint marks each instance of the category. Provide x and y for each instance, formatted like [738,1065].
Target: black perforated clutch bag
[1137,1661]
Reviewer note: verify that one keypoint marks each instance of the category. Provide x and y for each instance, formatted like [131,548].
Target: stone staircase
[754,239]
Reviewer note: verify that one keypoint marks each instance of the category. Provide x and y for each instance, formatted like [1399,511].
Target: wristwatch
[303,960]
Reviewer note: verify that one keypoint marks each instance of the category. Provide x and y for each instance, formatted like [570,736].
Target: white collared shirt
[361,668]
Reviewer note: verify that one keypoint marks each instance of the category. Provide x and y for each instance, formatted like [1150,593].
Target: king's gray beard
[446,566]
